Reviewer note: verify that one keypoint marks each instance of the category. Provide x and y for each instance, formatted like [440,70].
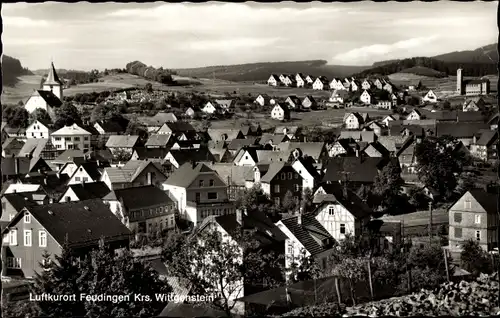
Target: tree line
[449,68]
[160,75]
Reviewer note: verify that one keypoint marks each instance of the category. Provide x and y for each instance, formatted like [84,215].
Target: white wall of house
[37,130]
[351,122]
[365,98]
[246,160]
[105,178]
[69,195]
[307,179]
[172,160]
[35,102]
[64,142]
[318,85]
[277,113]
[178,194]
[80,176]
[334,217]
[69,169]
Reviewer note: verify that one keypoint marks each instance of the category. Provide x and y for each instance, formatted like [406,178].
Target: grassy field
[22,90]
[321,118]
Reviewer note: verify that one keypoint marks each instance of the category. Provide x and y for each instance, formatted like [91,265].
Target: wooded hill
[11,70]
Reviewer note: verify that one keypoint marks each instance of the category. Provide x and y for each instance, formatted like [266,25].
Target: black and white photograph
[250,159]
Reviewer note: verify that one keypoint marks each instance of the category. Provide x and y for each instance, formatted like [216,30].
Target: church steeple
[52,78]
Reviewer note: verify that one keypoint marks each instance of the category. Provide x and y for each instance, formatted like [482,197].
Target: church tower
[460,81]
[53,83]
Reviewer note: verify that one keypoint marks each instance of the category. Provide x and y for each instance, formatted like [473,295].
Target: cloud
[376,51]
[13,21]
[229,44]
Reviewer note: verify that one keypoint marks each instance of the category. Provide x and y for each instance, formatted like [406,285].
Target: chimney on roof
[16,166]
[239,216]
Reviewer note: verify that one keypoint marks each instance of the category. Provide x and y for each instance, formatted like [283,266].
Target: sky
[88,36]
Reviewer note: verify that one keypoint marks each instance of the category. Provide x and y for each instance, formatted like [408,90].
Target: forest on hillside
[448,68]
[160,75]
[11,70]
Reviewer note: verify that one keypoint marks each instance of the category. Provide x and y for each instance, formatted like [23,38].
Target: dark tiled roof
[489,201]
[256,221]
[70,155]
[92,169]
[19,200]
[122,141]
[487,138]
[358,169]
[352,202]
[150,153]
[470,117]
[25,165]
[112,126]
[237,144]
[459,130]
[140,197]
[310,233]
[180,126]
[158,140]
[88,191]
[275,139]
[273,170]
[82,222]
[49,97]
[187,155]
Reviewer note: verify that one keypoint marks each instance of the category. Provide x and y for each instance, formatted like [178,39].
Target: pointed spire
[52,78]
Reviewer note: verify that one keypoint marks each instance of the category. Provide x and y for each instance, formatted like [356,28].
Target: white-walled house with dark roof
[71,137]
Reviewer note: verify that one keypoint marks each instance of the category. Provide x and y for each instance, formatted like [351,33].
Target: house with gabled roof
[473,105]
[273,80]
[474,216]
[11,147]
[485,147]
[292,132]
[84,191]
[13,203]
[236,144]
[133,174]
[14,168]
[293,102]
[71,137]
[40,228]
[272,140]
[300,79]
[233,176]
[46,100]
[158,141]
[353,120]
[211,108]
[280,112]
[38,129]
[246,157]
[379,83]
[263,100]
[309,103]
[293,150]
[15,132]
[341,147]
[226,105]
[321,83]
[306,237]
[305,166]
[366,84]
[86,172]
[178,157]
[143,210]
[338,96]
[366,98]
[279,179]
[198,192]
[462,131]
[430,97]
[340,211]
[122,143]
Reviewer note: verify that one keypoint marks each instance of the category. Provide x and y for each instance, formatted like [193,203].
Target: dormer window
[201,183]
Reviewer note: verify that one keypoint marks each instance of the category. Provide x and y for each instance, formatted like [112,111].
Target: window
[467,205]
[458,217]
[57,138]
[27,217]
[342,228]
[283,176]
[13,237]
[13,262]
[76,139]
[67,138]
[290,176]
[478,235]
[85,138]
[211,183]
[477,219]
[42,238]
[290,247]
[276,188]
[85,179]
[297,175]
[212,195]
[246,157]
[331,210]
[277,201]
[201,183]
[198,196]
[77,178]
[27,237]
[458,232]
[296,187]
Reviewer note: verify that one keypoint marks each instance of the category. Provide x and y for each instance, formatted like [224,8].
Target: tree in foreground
[474,259]
[221,266]
[303,267]
[439,162]
[387,188]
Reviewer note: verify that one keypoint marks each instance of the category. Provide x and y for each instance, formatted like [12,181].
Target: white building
[280,112]
[366,98]
[37,130]
[430,97]
[71,137]
[49,97]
